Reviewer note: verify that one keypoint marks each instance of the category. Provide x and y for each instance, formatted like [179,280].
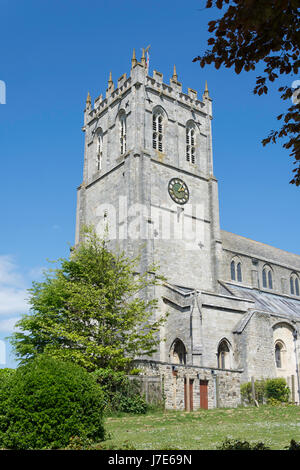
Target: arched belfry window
[224,355]
[157,127]
[294,285]
[190,143]
[267,277]
[122,120]
[99,149]
[236,270]
[178,352]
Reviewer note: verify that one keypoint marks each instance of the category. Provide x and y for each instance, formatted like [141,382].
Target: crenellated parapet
[139,76]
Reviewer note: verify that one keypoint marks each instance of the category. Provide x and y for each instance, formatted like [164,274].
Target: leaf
[267,33]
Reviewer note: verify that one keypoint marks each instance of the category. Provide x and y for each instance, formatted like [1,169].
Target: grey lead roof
[268,302]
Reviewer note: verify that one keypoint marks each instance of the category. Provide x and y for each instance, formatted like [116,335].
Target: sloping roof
[184,290]
[238,244]
[268,302]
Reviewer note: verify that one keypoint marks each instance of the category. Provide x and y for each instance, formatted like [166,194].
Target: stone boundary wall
[223,386]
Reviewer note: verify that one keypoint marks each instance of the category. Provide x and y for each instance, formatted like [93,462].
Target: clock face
[178,191]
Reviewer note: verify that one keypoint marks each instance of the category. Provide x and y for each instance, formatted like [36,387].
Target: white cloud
[37,273]
[8,325]
[9,274]
[13,300]
[13,288]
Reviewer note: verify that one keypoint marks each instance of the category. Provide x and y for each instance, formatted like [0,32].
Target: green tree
[93,310]
[264,31]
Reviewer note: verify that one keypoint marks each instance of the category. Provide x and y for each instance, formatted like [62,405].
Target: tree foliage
[266,391]
[94,310]
[48,401]
[121,393]
[267,31]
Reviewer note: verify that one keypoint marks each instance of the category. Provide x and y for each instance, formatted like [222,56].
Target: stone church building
[233,303]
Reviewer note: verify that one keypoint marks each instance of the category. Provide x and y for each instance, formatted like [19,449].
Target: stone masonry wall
[223,385]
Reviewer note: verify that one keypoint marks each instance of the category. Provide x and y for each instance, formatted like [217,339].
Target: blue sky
[51,53]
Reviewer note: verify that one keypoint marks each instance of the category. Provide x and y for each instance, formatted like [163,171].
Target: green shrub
[277,389]
[79,443]
[46,402]
[260,391]
[133,404]
[293,445]
[271,391]
[5,373]
[235,444]
[121,394]
[274,402]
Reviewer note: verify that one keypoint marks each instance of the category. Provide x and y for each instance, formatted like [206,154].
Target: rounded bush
[277,389]
[47,402]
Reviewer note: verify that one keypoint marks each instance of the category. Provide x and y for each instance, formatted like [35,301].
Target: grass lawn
[204,429]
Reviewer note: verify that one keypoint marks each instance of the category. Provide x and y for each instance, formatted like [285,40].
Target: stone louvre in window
[190,144]
[122,133]
[99,150]
[157,125]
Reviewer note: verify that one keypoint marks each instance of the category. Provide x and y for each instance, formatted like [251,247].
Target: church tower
[148,179]
[148,175]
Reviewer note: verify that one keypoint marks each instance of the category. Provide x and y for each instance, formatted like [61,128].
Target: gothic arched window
[270,280]
[122,119]
[223,355]
[232,270]
[267,277]
[157,125]
[236,270]
[239,272]
[294,284]
[178,352]
[264,278]
[190,143]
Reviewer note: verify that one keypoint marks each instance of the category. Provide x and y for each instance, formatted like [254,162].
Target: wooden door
[188,394]
[204,394]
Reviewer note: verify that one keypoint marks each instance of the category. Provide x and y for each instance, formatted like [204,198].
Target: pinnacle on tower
[175,76]
[133,60]
[143,59]
[206,93]
[88,100]
[110,82]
